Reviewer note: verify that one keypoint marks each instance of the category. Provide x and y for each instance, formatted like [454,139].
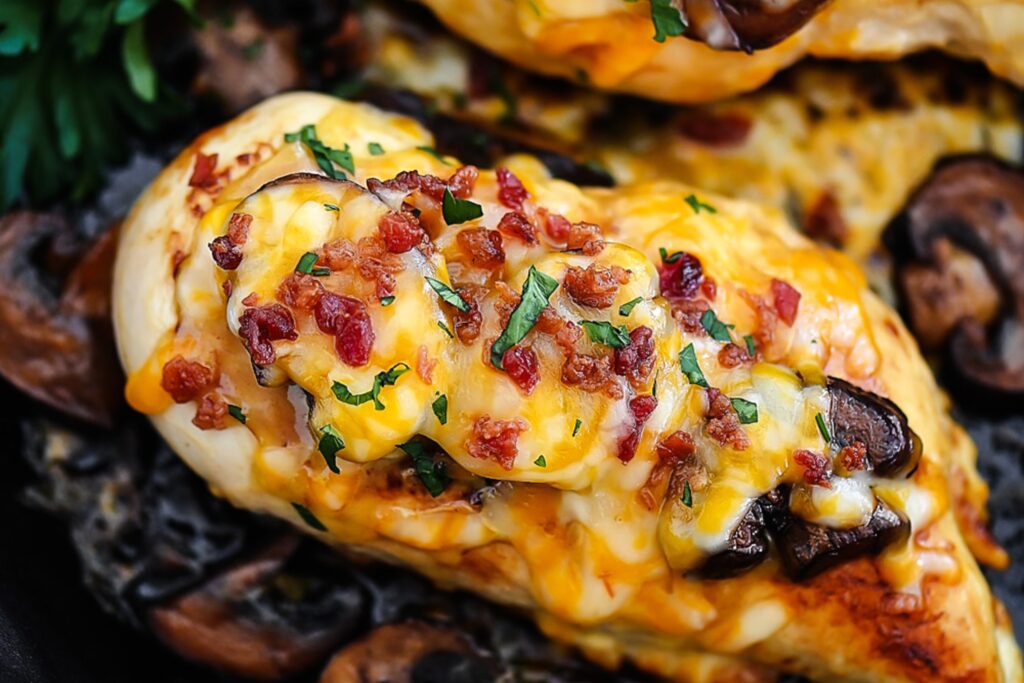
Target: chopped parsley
[666,258]
[457,210]
[601,332]
[687,497]
[236,412]
[375,149]
[332,207]
[381,380]
[433,474]
[667,19]
[627,308]
[444,328]
[448,295]
[329,445]
[308,517]
[321,272]
[576,427]
[433,152]
[822,427]
[387,300]
[751,349]
[698,206]
[537,289]
[718,330]
[654,387]
[326,157]
[540,462]
[306,263]
[690,367]
[747,410]
[440,408]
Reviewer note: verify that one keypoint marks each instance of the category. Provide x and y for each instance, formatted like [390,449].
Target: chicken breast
[660,421]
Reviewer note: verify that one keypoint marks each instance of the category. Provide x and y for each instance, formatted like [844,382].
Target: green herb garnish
[236,412]
[434,153]
[387,300]
[381,380]
[576,427]
[690,367]
[698,206]
[601,332]
[329,445]
[540,462]
[444,328]
[751,349]
[822,427]
[433,474]
[457,210]
[326,157]
[687,497]
[440,408]
[718,330]
[668,259]
[627,308]
[536,291]
[332,207]
[308,517]
[448,295]
[306,263]
[375,149]
[747,410]
[667,19]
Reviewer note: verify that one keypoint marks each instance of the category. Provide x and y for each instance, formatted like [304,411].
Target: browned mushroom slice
[747,548]
[855,415]
[970,207]
[807,549]
[747,25]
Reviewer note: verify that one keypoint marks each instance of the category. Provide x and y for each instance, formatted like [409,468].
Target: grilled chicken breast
[661,421]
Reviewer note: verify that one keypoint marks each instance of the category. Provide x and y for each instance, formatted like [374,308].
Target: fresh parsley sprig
[537,289]
[382,379]
[327,158]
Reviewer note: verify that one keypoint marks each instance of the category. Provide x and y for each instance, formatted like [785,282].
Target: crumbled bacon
[586,237]
[251,299]
[727,129]
[591,374]
[462,182]
[185,380]
[496,440]
[226,249]
[467,324]
[376,264]
[259,326]
[300,291]
[425,364]
[681,278]
[400,231]
[408,181]
[211,413]
[567,335]
[557,227]
[595,287]
[767,320]
[676,447]
[635,360]
[815,466]
[515,224]
[203,176]
[786,301]
[641,408]
[520,363]
[733,355]
[511,192]
[824,221]
[337,254]
[675,457]
[853,456]
[723,424]
[482,247]
[349,322]
[238,227]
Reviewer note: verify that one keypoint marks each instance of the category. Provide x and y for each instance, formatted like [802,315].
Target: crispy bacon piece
[723,424]
[300,291]
[482,247]
[595,287]
[376,264]
[567,335]
[349,322]
[462,182]
[635,360]
[226,249]
[640,407]
[681,278]
[211,413]
[409,181]
[259,326]
[337,254]
[586,237]
[520,363]
[853,456]
[425,364]
[185,380]
[511,192]
[676,447]
[400,231]
[767,320]
[496,440]
[816,467]
[729,129]
[591,374]
[515,224]
[203,176]
[467,324]
[557,227]
[786,301]
[733,355]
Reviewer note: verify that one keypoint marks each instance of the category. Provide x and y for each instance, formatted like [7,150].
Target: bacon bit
[682,278]
[594,287]
[400,231]
[515,224]
[203,176]
[511,192]
[687,313]
[520,363]
[733,355]
[212,413]
[425,364]
[260,326]
[824,222]
[591,374]
[786,300]
[723,424]
[557,227]
[227,287]
[482,246]
[586,237]
[853,456]
[496,440]
[567,335]
[337,255]
[728,129]
[708,288]
[676,447]
[349,322]
[409,181]
[376,264]
[185,379]
[767,319]
[462,182]
[641,408]
[507,300]
[238,227]
[226,249]
[635,360]
[816,467]
[251,299]
[300,291]
[467,324]
[675,456]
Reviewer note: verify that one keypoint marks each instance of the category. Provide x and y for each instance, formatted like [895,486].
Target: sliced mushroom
[807,549]
[747,548]
[893,449]
[747,25]
[970,207]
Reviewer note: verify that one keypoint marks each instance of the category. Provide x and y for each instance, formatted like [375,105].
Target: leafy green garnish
[667,19]
[434,153]
[698,206]
[687,497]
[457,210]
[387,300]
[690,367]
[448,295]
[601,332]
[669,259]
[308,517]
[576,427]
[747,410]
[381,380]
[444,328]
[332,207]
[718,330]
[541,461]
[433,474]
[751,349]
[329,445]
[627,308]
[306,263]
[236,412]
[440,408]
[326,157]
[537,289]
[822,427]
[375,149]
